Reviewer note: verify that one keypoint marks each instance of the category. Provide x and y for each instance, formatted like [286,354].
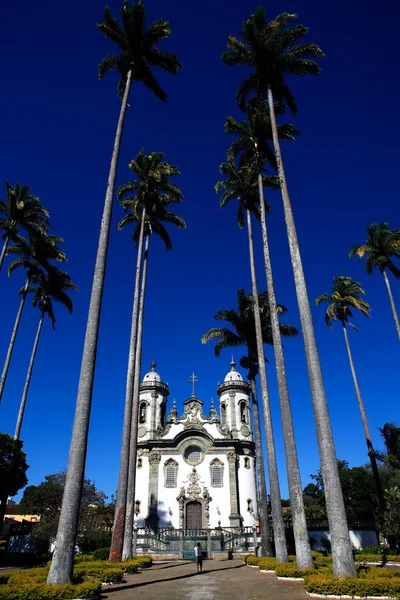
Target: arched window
[162,414]
[243,408]
[137,507]
[246,462]
[250,505]
[216,473]
[139,463]
[170,473]
[142,412]
[223,414]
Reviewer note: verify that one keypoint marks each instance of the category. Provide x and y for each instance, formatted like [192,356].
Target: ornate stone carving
[154,458]
[207,500]
[142,431]
[193,489]
[194,424]
[245,431]
[216,461]
[232,457]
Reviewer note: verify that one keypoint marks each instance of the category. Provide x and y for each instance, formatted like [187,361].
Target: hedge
[103,573]
[79,558]
[41,591]
[267,564]
[142,561]
[292,570]
[252,560]
[378,572]
[245,557]
[377,558]
[350,586]
[101,554]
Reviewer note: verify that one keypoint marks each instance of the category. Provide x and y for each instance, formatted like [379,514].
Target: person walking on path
[198,552]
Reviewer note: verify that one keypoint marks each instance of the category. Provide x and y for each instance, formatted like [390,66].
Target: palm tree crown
[50,286]
[272,51]
[380,246]
[241,183]
[253,137]
[152,191]
[36,253]
[137,48]
[243,331]
[21,209]
[346,294]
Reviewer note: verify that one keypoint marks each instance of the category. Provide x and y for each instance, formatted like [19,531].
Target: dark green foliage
[346,294]
[381,245]
[153,191]
[391,436]
[137,48]
[50,286]
[45,500]
[271,50]
[22,210]
[13,466]
[41,591]
[243,331]
[101,553]
[350,586]
[22,559]
[36,253]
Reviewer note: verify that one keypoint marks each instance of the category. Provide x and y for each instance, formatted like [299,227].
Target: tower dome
[233,375]
[152,375]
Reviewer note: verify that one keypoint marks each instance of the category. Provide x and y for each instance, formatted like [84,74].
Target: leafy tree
[252,146]
[391,436]
[20,210]
[13,469]
[379,249]
[271,51]
[50,286]
[146,200]
[137,52]
[241,184]
[242,332]
[346,295]
[35,255]
[45,499]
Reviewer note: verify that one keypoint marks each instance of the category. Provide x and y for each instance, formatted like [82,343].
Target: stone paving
[221,580]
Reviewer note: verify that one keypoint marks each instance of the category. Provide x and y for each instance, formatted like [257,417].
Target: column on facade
[235,520]
[154,463]
[234,429]
[153,412]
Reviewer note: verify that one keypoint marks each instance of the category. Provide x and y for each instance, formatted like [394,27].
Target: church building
[195,471]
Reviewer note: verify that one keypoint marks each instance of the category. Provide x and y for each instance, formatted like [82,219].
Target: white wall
[247,489]
[359,538]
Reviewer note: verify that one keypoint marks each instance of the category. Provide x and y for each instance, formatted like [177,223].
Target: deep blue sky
[57,124]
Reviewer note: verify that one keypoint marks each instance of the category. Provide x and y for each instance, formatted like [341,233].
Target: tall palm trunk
[276,505]
[392,304]
[12,340]
[120,508]
[342,557]
[266,547]
[131,490]
[3,251]
[28,380]
[367,434]
[302,542]
[62,564]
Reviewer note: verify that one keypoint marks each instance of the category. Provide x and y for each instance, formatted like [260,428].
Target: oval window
[194,455]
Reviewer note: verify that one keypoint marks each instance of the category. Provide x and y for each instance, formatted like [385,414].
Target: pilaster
[235,519]
[154,463]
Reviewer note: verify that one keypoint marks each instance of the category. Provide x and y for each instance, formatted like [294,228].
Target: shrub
[267,564]
[79,558]
[4,577]
[253,560]
[372,572]
[28,576]
[101,554]
[129,566]
[41,591]
[292,570]
[323,561]
[245,557]
[317,554]
[350,586]
[143,561]
[103,573]
[376,558]
[371,550]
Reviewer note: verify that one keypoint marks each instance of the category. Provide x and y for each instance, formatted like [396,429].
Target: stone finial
[233,364]
[153,364]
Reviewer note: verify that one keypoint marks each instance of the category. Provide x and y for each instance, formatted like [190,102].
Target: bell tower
[234,402]
[152,405]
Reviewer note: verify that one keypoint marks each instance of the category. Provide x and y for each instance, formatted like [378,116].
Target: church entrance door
[193,515]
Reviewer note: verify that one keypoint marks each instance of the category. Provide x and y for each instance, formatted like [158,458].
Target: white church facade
[195,471]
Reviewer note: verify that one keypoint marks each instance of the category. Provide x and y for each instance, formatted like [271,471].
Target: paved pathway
[222,580]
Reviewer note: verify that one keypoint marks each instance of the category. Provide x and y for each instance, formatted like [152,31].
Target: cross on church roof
[193,378]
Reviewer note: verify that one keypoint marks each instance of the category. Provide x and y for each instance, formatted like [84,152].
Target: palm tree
[146,199]
[243,333]
[137,53]
[270,51]
[35,255]
[241,183]
[252,146]
[391,437]
[381,245]
[346,295]
[50,286]
[20,209]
